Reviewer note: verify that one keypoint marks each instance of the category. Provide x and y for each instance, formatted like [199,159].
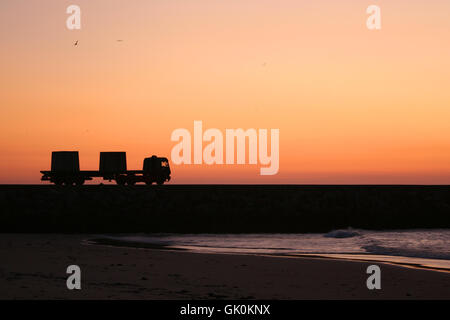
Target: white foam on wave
[405,252]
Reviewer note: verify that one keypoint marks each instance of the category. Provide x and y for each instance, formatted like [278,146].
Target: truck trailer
[65,169]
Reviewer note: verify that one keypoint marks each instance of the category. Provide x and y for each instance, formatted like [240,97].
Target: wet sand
[33,266]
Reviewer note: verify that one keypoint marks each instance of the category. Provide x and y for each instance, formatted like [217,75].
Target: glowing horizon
[353,106]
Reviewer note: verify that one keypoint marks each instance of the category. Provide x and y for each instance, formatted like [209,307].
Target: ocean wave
[424,244]
[342,233]
[405,252]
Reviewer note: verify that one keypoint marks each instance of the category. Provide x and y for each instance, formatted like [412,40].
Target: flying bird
[76,43]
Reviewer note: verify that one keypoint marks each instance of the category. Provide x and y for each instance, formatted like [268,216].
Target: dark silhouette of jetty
[221,208]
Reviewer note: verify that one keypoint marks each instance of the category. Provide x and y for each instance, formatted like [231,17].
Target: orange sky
[352,105]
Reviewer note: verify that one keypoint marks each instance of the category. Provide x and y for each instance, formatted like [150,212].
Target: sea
[428,249]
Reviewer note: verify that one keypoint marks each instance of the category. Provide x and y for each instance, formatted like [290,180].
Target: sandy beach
[33,266]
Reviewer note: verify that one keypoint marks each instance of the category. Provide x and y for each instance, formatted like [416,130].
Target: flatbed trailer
[65,170]
[85,175]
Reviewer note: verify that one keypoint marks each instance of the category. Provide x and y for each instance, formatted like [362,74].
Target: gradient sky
[352,105]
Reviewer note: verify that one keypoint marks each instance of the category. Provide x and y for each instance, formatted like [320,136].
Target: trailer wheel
[79,182]
[131,182]
[160,182]
[121,180]
[68,182]
[58,182]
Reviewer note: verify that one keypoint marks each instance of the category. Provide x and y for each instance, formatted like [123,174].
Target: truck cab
[156,169]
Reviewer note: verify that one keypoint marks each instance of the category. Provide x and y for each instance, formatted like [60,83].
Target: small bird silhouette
[76,43]
[119,40]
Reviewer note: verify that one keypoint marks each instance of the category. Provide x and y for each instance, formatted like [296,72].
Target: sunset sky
[352,105]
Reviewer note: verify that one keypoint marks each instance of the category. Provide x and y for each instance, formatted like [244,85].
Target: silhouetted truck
[65,169]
